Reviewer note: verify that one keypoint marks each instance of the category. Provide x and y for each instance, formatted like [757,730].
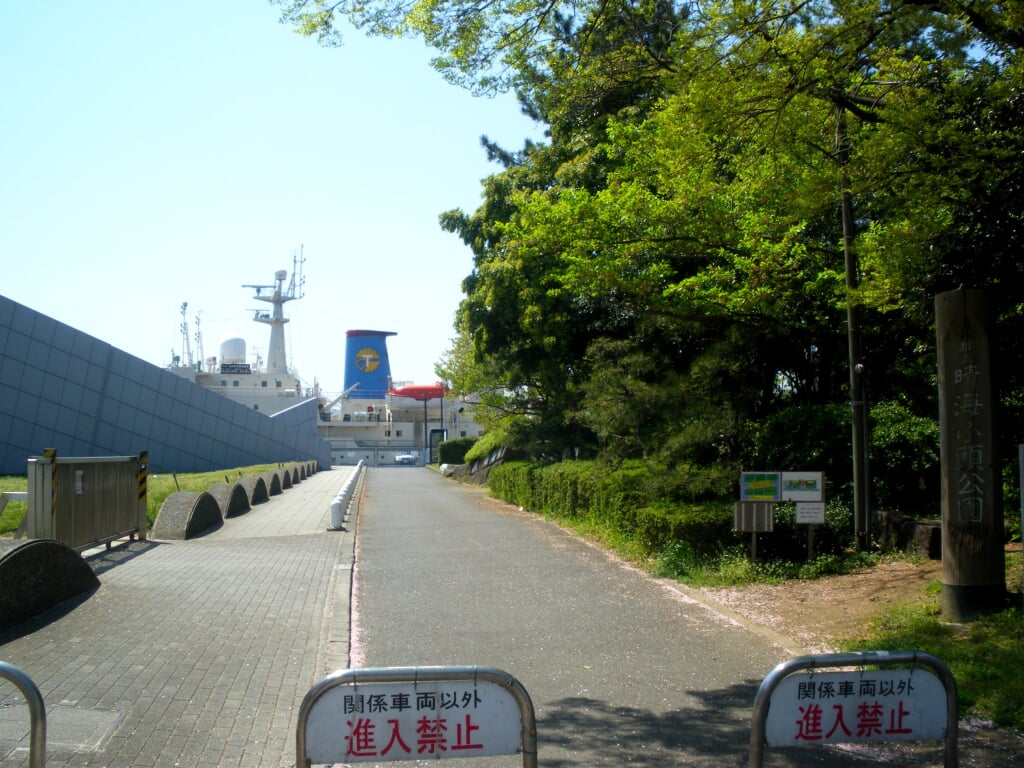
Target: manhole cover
[69,729]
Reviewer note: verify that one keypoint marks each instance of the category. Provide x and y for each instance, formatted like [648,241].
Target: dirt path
[820,612]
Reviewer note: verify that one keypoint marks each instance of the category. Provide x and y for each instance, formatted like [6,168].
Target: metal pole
[853,322]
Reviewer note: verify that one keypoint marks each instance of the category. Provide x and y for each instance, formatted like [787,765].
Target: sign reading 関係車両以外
[413,721]
[857,706]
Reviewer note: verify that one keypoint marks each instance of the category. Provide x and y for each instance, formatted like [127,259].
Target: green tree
[678,248]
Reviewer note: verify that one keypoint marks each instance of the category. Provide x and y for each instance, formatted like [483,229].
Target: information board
[810,512]
[803,486]
[760,486]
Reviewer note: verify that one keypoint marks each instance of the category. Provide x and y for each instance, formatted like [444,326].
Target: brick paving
[191,653]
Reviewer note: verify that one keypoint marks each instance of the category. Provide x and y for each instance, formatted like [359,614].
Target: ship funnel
[367,368]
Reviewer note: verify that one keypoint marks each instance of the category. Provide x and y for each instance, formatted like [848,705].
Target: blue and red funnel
[367,364]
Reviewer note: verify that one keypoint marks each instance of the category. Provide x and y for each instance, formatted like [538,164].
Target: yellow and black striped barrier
[143,474]
[51,454]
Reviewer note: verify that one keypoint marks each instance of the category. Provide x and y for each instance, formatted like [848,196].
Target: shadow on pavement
[582,731]
[103,561]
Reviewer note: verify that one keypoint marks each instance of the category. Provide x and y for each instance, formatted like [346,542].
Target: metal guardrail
[37,712]
[84,502]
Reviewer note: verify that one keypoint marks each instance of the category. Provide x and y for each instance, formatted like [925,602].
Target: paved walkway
[198,653]
[192,653]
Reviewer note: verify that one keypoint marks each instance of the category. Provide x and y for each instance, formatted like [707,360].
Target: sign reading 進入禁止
[857,706]
[413,721]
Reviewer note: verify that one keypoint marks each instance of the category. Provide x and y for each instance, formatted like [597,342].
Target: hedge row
[626,499]
[454,451]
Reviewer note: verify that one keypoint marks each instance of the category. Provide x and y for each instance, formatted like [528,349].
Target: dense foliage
[730,191]
[454,451]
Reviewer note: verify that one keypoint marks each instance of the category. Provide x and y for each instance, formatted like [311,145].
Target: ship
[268,388]
[374,419]
[379,420]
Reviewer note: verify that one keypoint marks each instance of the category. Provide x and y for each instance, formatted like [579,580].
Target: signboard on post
[753,516]
[760,486]
[810,512]
[803,486]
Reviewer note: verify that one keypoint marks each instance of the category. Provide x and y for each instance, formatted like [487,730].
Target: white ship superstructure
[269,388]
[375,419]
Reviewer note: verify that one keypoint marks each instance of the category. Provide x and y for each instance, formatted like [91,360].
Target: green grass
[733,567]
[986,656]
[13,513]
[158,486]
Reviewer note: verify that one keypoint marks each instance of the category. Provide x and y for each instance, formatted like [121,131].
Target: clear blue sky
[160,153]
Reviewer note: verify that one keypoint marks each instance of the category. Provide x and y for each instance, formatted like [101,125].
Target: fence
[86,501]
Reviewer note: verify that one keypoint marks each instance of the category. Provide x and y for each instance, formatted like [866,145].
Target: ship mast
[186,349]
[277,295]
[199,343]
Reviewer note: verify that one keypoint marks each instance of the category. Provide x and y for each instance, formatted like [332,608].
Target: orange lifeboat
[419,391]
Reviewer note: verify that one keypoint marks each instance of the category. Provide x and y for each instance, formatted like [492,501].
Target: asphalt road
[622,669]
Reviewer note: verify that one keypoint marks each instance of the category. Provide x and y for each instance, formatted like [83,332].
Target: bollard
[340,504]
[337,514]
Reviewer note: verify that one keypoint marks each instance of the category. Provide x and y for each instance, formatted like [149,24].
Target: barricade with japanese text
[384,714]
[844,698]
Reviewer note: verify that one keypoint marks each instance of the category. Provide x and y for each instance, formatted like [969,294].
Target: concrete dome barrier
[286,478]
[273,481]
[186,515]
[38,574]
[255,488]
[231,498]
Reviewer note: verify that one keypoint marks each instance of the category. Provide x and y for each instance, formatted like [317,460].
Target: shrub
[454,451]
[512,481]
[789,539]
[807,438]
[904,460]
[705,528]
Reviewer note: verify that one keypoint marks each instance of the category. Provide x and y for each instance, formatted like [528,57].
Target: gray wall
[63,389]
